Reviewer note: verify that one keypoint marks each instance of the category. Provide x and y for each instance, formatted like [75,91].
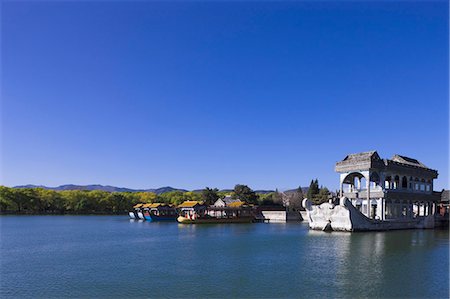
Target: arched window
[404,182]
[374,179]
[356,182]
[387,182]
[416,184]
[351,182]
[363,183]
[396,182]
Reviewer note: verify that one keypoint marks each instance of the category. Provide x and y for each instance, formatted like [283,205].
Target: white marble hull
[345,217]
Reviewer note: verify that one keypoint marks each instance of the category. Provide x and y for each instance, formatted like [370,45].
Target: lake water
[111,256]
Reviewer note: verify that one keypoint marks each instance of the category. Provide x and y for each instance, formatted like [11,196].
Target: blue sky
[194,94]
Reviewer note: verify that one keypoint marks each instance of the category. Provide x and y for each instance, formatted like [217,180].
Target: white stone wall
[274,216]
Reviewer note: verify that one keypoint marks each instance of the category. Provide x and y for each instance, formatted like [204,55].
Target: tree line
[44,201]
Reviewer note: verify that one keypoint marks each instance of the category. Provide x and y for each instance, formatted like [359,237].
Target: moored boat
[210,219]
[195,212]
[136,209]
[159,212]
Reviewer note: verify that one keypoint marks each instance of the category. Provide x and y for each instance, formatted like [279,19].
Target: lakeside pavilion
[396,188]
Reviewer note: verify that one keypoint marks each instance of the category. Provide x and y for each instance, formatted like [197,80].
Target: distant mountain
[226,190]
[263,191]
[164,190]
[106,188]
[161,190]
[304,190]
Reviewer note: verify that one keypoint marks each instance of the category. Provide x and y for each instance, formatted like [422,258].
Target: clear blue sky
[269,94]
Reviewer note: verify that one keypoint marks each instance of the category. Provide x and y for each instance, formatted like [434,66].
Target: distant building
[225,202]
[444,203]
[399,187]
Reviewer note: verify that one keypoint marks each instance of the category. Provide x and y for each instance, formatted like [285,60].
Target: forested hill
[106,188]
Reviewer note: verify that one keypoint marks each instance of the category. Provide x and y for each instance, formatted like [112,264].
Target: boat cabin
[192,209]
[159,209]
[231,210]
[383,189]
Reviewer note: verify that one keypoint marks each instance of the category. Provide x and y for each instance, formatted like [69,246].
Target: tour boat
[132,215]
[159,212]
[135,214]
[140,215]
[194,212]
[210,219]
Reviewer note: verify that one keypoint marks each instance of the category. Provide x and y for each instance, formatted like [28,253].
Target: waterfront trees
[45,201]
[317,195]
[313,190]
[210,195]
[244,193]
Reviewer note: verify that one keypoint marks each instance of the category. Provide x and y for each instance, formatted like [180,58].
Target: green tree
[7,199]
[266,199]
[323,196]
[172,197]
[244,193]
[147,197]
[209,195]
[313,190]
[277,197]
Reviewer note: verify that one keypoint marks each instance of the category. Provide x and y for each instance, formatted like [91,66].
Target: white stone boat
[345,217]
[378,194]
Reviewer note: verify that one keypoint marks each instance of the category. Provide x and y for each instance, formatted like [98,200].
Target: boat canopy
[155,205]
[138,205]
[190,204]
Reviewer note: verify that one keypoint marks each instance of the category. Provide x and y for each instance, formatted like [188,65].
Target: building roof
[360,156]
[408,161]
[190,204]
[236,204]
[359,161]
[228,200]
[371,160]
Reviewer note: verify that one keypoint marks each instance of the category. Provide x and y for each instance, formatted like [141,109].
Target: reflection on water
[411,263]
[89,256]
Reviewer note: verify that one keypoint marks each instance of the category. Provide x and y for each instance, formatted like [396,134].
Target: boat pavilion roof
[190,204]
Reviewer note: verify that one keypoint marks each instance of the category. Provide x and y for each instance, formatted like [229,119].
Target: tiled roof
[236,204]
[408,161]
[228,200]
[359,156]
[190,204]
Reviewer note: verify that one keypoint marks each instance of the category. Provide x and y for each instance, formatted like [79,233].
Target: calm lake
[111,256]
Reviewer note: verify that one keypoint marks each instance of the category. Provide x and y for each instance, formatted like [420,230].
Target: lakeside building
[379,194]
[226,201]
[399,187]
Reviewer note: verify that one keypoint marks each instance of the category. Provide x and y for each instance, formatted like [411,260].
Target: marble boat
[378,194]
